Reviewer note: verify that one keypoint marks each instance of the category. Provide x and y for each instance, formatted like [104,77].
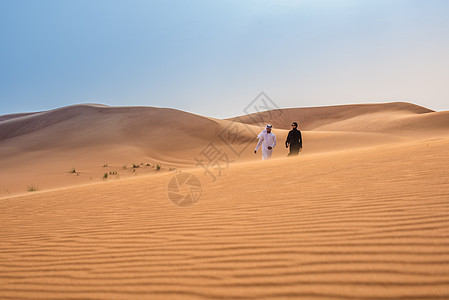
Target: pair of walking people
[267,141]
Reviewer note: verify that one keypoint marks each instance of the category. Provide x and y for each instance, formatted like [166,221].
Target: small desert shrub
[148,165]
[135,165]
[73,170]
[32,188]
[124,168]
[105,176]
[105,165]
[158,167]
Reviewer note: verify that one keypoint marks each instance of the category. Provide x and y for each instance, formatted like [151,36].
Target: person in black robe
[294,140]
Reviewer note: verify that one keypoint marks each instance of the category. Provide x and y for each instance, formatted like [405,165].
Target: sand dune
[86,137]
[364,224]
[313,117]
[362,213]
[414,125]
[401,119]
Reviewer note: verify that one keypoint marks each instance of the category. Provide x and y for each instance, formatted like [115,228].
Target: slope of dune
[12,116]
[359,224]
[415,125]
[101,124]
[86,137]
[160,134]
[310,118]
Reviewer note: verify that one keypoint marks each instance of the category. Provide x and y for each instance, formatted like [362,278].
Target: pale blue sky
[213,57]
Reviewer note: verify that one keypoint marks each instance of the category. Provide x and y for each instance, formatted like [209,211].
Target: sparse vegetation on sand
[74,171]
[158,167]
[105,165]
[111,173]
[135,166]
[32,188]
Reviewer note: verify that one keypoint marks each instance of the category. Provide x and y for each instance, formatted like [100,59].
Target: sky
[214,57]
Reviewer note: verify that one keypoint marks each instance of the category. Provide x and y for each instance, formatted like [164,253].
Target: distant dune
[362,213]
[312,117]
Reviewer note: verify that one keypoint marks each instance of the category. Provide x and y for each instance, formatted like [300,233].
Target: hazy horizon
[213,59]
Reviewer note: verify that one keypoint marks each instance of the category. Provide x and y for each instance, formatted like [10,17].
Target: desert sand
[362,213]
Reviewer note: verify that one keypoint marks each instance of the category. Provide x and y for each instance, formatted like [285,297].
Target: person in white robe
[267,141]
